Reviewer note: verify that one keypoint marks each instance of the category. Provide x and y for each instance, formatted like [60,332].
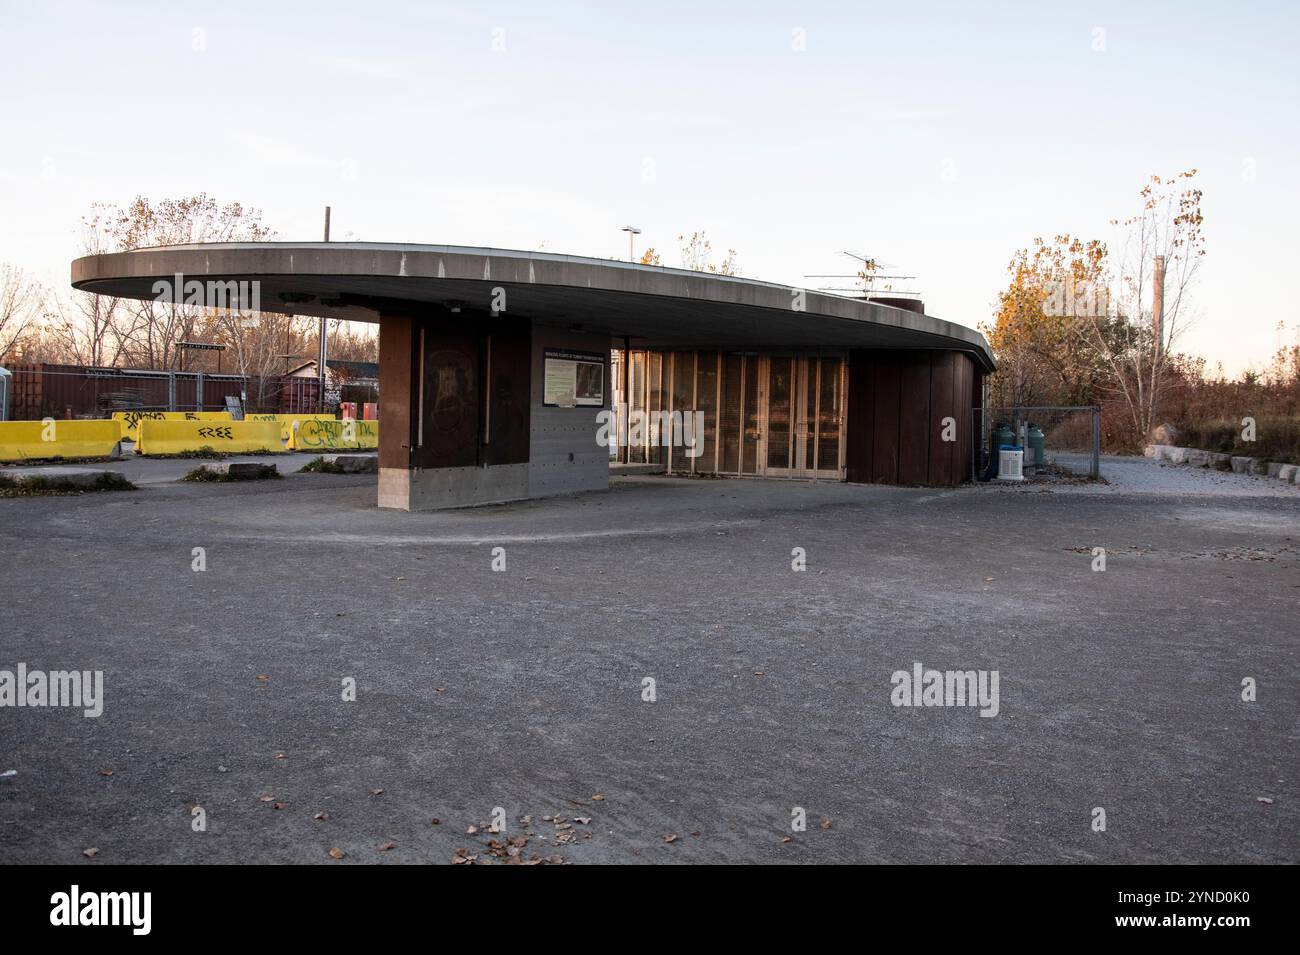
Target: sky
[936,137]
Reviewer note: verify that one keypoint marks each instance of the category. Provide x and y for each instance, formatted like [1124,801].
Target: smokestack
[1158,302]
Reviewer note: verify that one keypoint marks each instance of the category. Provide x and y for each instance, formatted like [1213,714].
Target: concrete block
[1177,455]
[357,463]
[1196,458]
[1243,465]
[1149,451]
[62,477]
[1220,462]
[247,470]
[1275,469]
[1287,472]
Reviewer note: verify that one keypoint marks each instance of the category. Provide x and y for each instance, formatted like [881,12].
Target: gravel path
[1134,475]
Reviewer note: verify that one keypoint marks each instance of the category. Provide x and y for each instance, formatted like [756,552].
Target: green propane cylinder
[1002,434]
[1038,445]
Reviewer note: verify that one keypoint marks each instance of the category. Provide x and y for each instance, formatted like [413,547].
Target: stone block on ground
[247,470]
[357,463]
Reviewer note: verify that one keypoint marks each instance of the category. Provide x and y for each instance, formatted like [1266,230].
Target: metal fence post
[171,391]
[1096,442]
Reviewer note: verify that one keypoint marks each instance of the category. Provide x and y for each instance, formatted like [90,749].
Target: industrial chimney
[1158,302]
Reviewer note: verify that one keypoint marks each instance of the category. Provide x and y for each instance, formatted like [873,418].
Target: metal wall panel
[896,406]
[563,453]
[884,460]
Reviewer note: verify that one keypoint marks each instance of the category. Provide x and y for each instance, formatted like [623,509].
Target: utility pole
[323,353]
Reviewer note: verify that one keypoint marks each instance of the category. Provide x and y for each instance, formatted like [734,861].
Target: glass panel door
[729,439]
[781,408]
[751,432]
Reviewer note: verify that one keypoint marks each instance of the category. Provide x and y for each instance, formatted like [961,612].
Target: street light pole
[323,353]
[631,231]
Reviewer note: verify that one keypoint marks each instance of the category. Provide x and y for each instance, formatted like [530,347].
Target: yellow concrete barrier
[130,420]
[226,437]
[28,440]
[287,421]
[346,435]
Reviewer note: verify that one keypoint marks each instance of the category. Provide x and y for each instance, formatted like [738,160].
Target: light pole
[631,231]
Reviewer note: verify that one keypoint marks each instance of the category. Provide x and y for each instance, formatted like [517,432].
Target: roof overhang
[653,306]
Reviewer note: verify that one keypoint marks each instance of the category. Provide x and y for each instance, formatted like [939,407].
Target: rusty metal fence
[37,391]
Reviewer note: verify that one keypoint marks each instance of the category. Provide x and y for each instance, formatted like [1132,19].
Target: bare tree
[1139,354]
[697,255]
[21,301]
[152,331]
[93,329]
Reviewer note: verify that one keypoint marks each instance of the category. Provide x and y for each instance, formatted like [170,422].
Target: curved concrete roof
[653,305]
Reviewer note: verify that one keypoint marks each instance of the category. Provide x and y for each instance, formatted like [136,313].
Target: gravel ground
[524,688]
[1134,475]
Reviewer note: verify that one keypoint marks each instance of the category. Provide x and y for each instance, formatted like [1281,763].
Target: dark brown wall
[396,358]
[508,355]
[452,395]
[477,383]
[896,406]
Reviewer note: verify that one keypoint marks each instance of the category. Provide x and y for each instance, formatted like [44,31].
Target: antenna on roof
[868,278]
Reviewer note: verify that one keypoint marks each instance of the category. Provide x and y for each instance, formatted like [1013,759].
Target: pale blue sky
[675,117]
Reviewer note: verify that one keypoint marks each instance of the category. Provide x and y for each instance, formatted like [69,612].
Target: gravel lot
[1133,475]
[523,689]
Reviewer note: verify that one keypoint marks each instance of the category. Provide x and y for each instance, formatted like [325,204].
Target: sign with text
[573,379]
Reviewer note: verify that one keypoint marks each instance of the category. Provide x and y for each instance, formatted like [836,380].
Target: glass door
[783,408]
[809,445]
[740,433]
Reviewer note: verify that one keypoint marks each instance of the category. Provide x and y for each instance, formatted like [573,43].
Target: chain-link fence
[1069,437]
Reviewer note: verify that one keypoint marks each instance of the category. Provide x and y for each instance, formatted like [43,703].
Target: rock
[1220,462]
[1165,434]
[1242,465]
[1149,451]
[249,470]
[357,463]
[1287,472]
[1275,468]
[1177,455]
[1197,459]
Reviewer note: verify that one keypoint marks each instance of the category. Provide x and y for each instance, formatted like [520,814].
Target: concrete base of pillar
[432,489]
